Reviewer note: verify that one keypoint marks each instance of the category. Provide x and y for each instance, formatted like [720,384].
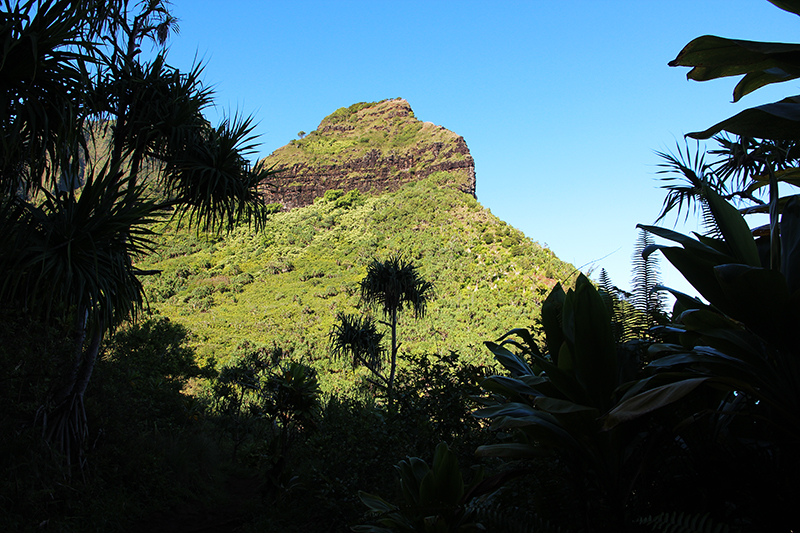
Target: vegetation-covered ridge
[369,147]
[285,284]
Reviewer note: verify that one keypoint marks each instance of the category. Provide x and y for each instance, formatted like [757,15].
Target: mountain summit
[370,147]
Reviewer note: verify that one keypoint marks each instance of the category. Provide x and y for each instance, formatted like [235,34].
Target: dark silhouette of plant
[434,498]
[645,282]
[357,337]
[72,219]
[388,287]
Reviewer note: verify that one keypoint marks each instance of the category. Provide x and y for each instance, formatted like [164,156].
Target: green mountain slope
[283,286]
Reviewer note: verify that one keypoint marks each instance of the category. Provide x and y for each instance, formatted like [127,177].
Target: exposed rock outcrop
[371,147]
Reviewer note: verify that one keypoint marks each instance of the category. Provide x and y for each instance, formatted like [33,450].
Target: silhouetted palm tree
[71,222]
[389,286]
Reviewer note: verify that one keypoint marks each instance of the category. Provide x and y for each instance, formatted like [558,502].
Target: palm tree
[71,223]
[389,286]
[357,337]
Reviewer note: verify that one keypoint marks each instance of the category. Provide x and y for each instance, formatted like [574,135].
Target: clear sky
[562,104]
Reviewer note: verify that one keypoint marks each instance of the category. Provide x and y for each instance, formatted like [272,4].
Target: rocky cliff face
[371,147]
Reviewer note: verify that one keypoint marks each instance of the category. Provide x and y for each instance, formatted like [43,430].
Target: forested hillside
[282,286]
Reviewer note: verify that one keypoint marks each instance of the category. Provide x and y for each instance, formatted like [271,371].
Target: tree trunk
[393,362]
[67,427]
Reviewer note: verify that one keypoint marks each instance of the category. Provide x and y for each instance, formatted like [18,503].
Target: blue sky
[562,104]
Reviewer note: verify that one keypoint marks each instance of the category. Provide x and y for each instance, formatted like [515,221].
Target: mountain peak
[371,147]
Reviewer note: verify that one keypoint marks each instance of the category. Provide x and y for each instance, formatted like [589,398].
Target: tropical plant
[73,219]
[435,499]
[292,401]
[237,398]
[765,152]
[553,400]
[387,287]
[742,344]
[357,337]
[731,365]
[646,278]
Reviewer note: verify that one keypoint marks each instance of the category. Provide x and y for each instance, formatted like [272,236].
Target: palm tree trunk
[394,356]
[67,428]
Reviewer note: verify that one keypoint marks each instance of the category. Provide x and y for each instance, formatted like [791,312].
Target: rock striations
[371,147]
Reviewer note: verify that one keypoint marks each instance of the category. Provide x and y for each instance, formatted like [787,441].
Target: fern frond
[679,522]
[512,520]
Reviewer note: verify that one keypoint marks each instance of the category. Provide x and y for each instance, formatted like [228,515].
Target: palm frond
[357,337]
[391,284]
[213,184]
[687,175]
[77,250]
[42,68]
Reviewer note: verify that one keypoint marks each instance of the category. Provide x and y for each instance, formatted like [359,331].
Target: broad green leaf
[684,240]
[508,387]
[409,480]
[419,468]
[428,496]
[448,482]
[700,273]
[509,359]
[755,286]
[541,427]
[565,360]
[792,6]
[707,362]
[564,381]
[525,335]
[552,315]
[555,406]
[511,451]
[595,356]
[777,121]
[790,244]
[734,229]
[688,302]
[513,409]
[772,74]
[718,244]
[716,57]
[375,503]
[651,400]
